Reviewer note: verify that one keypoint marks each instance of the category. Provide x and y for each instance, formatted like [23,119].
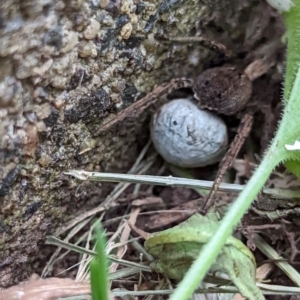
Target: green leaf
[292,21]
[293,166]
[175,250]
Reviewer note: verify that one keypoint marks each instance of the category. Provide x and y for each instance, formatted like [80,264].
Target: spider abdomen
[223,89]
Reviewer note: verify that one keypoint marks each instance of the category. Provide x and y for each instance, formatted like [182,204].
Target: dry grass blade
[175,181]
[139,167]
[54,241]
[265,248]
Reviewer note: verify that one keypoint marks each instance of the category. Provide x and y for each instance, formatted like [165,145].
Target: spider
[225,90]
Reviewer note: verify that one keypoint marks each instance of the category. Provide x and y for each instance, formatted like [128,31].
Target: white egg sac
[187,136]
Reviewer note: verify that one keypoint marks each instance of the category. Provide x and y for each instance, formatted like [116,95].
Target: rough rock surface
[66,66]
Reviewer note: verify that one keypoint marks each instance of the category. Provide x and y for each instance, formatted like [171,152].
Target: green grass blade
[98,270]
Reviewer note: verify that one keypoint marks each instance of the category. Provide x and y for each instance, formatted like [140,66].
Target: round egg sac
[188,136]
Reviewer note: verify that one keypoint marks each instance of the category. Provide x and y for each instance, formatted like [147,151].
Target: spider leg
[136,108]
[242,133]
[207,43]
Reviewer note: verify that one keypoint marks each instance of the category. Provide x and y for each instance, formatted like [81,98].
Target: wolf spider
[225,90]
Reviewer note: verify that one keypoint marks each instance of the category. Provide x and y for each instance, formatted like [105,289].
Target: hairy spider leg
[138,107]
[227,161]
[204,42]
